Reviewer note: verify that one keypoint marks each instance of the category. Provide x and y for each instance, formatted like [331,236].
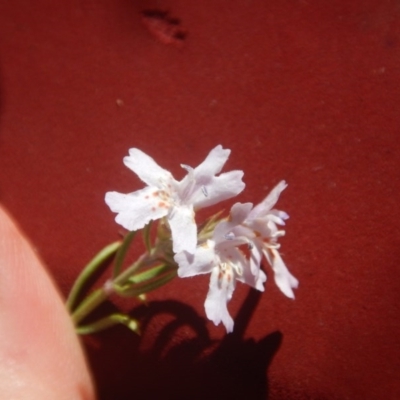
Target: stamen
[238,269]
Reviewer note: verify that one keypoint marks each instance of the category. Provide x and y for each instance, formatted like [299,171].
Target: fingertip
[40,355]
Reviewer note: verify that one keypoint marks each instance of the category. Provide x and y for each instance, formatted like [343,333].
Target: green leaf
[108,322]
[137,290]
[149,274]
[88,271]
[146,236]
[120,257]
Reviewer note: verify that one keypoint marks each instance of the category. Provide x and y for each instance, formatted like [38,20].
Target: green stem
[89,304]
[147,287]
[121,253]
[88,271]
[100,295]
[108,322]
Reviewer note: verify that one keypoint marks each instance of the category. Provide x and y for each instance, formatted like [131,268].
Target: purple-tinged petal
[255,281]
[263,226]
[201,262]
[136,209]
[256,256]
[213,163]
[283,278]
[261,279]
[282,215]
[238,214]
[147,169]
[219,293]
[194,184]
[217,188]
[276,219]
[266,205]
[244,273]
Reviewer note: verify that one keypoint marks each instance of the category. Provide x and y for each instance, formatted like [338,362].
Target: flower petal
[201,262]
[256,256]
[197,179]
[146,168]
[283,278]
[219,293]
[264,226]
[136,209]
[183,229]
[255,281]
[213,163]
[238,214]
[266,205]
[217,188]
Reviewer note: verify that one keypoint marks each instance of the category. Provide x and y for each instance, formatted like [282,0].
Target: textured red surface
[305,91]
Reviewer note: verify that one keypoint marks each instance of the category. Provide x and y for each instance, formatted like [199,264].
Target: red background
[306,91]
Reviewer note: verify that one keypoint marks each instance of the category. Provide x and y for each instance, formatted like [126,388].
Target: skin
[40,355]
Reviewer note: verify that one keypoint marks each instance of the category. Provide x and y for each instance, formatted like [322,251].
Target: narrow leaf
[146,236]
[108,322]
[120,257]
[88,271]
[149,274]
[137,290]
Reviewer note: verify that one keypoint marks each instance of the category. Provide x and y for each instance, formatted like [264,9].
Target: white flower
[177,200]
[261,230]
[221,257]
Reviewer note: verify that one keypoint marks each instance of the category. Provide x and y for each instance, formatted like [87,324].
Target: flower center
[225,275]
[167,194]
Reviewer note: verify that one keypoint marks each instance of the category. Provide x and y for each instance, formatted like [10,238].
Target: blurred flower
[222,257]
[260,227]
[234,254]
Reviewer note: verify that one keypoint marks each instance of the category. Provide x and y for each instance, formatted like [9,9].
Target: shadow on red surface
[196,368]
